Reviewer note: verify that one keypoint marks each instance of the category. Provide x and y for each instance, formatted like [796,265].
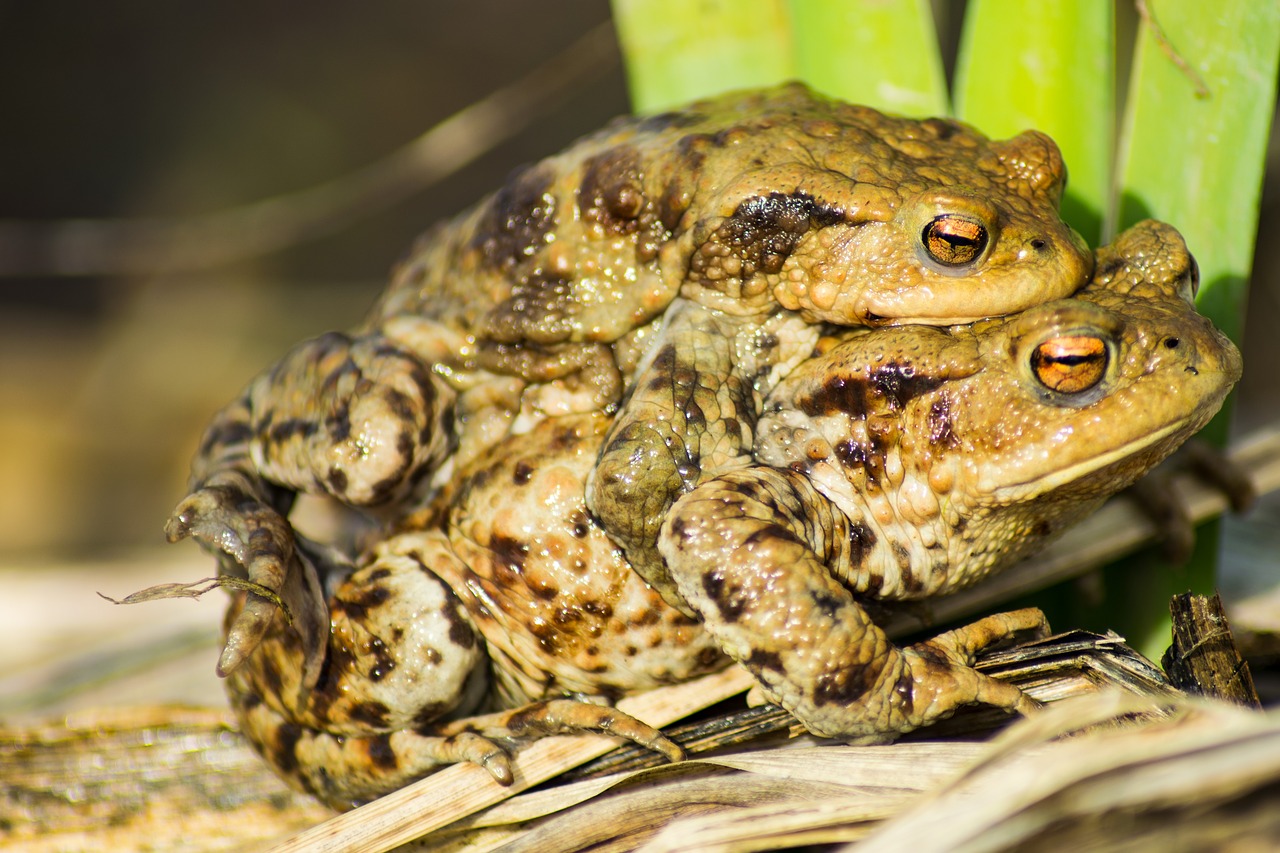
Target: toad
[894,464]
[686,255]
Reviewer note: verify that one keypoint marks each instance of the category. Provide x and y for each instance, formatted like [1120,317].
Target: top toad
[694,248]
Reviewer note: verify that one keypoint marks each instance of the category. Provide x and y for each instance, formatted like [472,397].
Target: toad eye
[954,240]
[1070,364]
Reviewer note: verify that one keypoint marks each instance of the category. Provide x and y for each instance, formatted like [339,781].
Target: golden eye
[1070,364]
[954,240]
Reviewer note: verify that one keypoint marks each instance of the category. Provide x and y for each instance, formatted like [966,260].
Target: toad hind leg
[358,418]
[404,665]
[757,553]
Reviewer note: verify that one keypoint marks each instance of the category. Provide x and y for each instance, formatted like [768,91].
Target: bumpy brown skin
[897,464]
[912,462]
[759,213]
[499,604]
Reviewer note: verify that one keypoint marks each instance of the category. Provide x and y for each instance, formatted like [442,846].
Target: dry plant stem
[1203,658]
[149,246]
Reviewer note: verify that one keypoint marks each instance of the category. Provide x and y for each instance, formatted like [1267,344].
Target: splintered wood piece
[1203,658]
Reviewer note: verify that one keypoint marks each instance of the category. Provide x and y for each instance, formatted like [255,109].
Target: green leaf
[884,55]
[1193,157]
[678,50]
[1192,153]
[1047,65]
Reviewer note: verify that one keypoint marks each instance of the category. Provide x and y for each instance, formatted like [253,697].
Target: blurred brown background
[150,108]
[158,109]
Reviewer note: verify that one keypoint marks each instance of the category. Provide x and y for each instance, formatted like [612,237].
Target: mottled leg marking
[402,654]
[345,771]
[752,552]
[692,410]
[943,665]
[360,419]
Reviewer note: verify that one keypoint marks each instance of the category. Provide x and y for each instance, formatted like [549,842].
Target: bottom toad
[896,464]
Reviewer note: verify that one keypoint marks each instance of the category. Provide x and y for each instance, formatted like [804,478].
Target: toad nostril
[1191,370]
[1038,244]
[1171,343]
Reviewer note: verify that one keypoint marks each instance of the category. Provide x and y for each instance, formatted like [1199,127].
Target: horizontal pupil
[1072,360]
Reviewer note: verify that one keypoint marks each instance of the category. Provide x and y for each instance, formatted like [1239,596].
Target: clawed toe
[567,716]
[259,544]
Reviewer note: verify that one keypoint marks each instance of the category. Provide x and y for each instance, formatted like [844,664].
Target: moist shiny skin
[590,283]
[892,464]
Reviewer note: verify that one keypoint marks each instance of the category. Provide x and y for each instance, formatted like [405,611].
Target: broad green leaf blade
[1047,65]
[1197,161]
[884,55]
[678,50]
[1195,158]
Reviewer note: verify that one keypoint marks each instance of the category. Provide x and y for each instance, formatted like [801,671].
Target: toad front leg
[751,551]
[691,413]
[360,419]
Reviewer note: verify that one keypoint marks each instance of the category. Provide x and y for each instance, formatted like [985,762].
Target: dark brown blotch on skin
[672,204]
[337,481]
[291,428]
[912,582]
[269,677]
[542,294]
[599,609]
[664,365]
[381,755]
[383,662]
[225,434]
[543,589]
[851,454]
[728,598]
[760,660]
[564,440]
[510,552]
[283,748]
[517,219]
[670,120]
[547,636]
[861,541]
[854,395]
[522,472]
[844,687]
[358,602]
[1109,268]
[941,431]
[370,713]
[612,190]
[338,423]
[828,605]
[764,230]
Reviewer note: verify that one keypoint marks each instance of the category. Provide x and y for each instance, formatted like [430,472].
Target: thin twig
[1170,52]
[77,247]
